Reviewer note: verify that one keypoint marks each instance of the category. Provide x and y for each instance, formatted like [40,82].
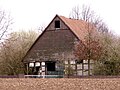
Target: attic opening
[57,24]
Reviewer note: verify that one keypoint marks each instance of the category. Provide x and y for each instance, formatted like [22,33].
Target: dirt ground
[59,84]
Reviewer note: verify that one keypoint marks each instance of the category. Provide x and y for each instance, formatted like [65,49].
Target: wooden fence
[54,76]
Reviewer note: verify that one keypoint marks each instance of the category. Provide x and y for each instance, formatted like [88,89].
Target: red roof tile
[79,27]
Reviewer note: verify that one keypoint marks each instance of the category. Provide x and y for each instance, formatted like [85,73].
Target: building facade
[53,51]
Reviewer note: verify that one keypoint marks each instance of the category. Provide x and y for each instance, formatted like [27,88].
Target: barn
[53,51]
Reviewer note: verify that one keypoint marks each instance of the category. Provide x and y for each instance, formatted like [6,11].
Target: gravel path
[59,84]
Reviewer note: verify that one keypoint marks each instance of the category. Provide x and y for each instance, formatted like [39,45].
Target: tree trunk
[68,68]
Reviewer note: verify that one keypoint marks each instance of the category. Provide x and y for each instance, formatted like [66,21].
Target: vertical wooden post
[27,68]
[34,69]
[76,66]
[83,68]
[68,68]
[88,67]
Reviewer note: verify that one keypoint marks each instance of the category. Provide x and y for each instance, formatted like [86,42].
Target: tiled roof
[79,27]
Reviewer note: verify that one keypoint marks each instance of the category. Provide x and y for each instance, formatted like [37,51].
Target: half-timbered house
[53,51]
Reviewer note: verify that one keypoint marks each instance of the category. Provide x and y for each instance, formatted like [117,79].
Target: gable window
[57,24]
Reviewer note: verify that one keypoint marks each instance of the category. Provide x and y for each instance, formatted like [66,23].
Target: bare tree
[5,22]
[85,13]
[41,29]
[75,13]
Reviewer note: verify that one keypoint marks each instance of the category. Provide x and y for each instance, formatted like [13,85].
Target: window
[57,24]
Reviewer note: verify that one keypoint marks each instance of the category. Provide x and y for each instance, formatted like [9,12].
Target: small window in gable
[57,24]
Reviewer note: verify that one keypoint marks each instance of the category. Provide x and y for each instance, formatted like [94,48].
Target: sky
[31,14]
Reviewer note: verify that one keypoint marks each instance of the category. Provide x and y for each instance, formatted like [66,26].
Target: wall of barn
[53,44]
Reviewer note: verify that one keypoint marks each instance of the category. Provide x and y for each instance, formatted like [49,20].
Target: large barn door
[50,67]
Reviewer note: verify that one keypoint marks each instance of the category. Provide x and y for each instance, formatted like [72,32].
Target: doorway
[50,66]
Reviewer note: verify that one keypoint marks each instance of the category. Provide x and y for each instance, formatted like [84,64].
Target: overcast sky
[30,14]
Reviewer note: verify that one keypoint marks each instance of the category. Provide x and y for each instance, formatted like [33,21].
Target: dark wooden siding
[52,42]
